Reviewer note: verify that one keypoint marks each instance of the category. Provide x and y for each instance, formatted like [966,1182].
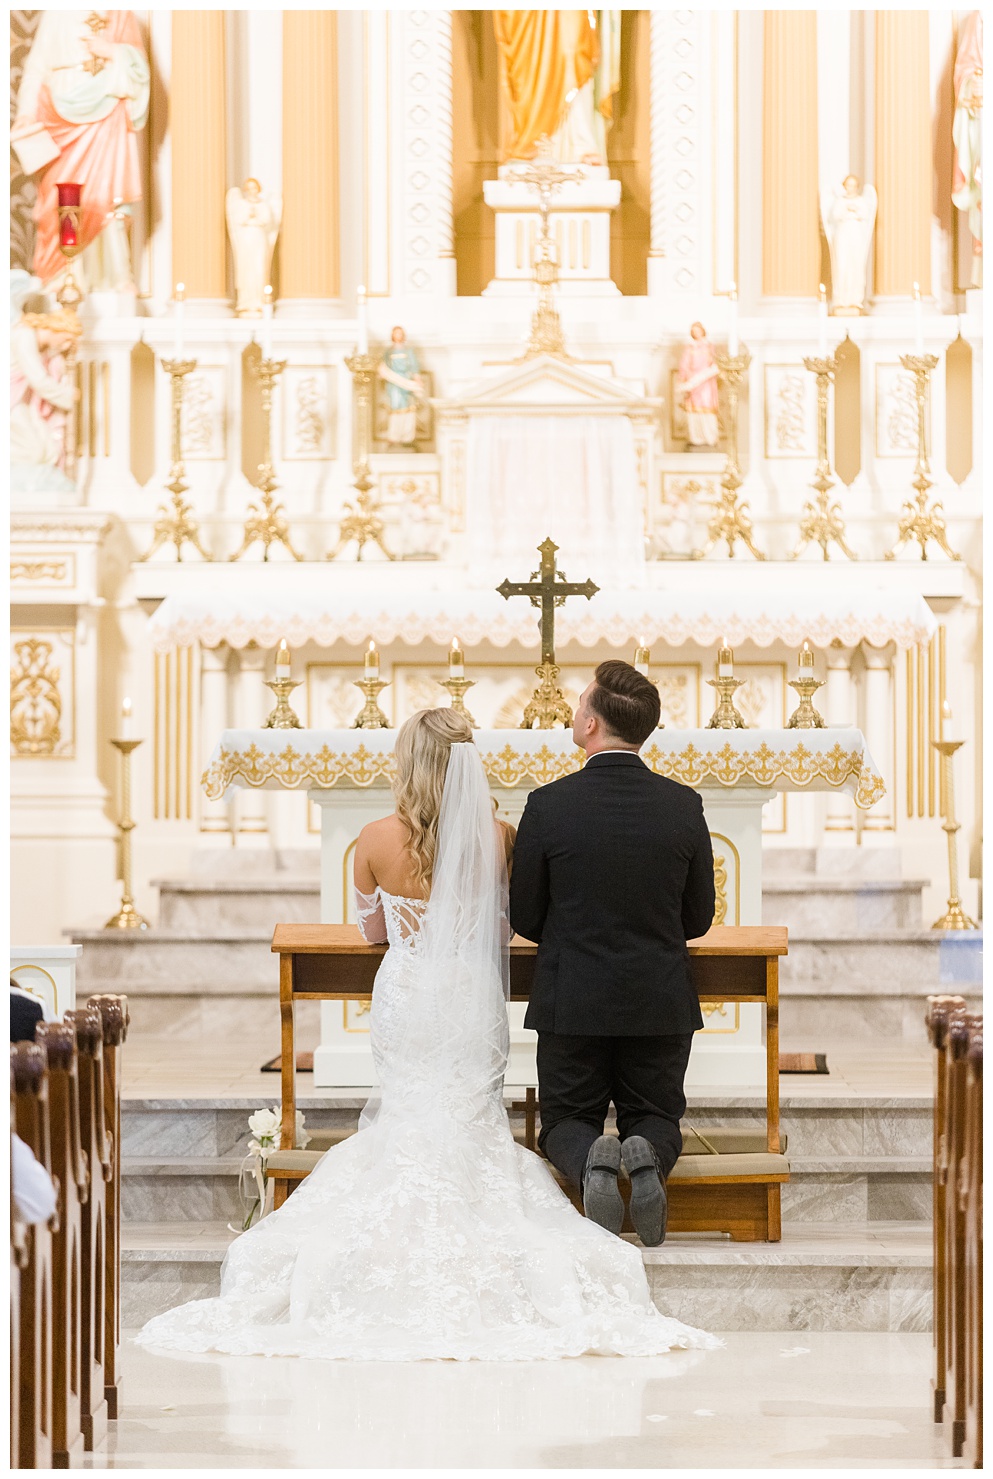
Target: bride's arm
[368,904]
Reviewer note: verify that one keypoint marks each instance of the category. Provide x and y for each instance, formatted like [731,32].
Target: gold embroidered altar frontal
[772,759]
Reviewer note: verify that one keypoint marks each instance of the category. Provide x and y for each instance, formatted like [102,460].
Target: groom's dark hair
[626,702]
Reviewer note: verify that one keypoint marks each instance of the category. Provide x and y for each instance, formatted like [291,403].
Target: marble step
[833,1276]
[867,1189]
[199,907]
[237,961]
[834,1125]
[809,904]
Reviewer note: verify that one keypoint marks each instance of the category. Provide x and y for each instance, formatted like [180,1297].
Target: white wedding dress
[431,1234]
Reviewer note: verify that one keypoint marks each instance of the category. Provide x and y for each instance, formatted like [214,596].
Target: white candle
[363,321]
[725,661]
[805,662]
[126,719]
[733,332]
[267,323]
[456,660]
[642,658]
[822,318]
[179,308]
[918,320]
[283,660]
[372,661]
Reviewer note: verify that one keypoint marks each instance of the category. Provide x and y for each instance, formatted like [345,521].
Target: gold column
[197,105]
[903,152]
[791,249]
[308,242]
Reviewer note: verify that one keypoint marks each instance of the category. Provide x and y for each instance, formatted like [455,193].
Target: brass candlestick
[177,524]
[127,917]
[282,716]
[458,688]
[726,716]
[805,716]
[821,522]
[361,522]
[372,716]
[917,521]
[267,519]
[731,520]
[955,917]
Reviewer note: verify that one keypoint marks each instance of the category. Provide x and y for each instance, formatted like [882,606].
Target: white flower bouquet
[265,1126]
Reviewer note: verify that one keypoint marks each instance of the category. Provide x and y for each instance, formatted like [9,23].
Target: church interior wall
[398,208]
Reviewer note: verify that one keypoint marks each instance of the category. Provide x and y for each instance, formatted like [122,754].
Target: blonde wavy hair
[421,753]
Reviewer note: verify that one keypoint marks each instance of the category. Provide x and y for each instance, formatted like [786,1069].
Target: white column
[216,817]
[840,707]
[376,184]
[877,726]
[656,251]
[252,704]
[726,148]
[255,70]
[446,282]
[834,153]
[681,171]
[158,248]
[420,124]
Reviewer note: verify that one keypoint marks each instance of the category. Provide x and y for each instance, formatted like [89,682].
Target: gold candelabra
[458,688]
[954,917]
[917,521]
[731,520]
[372,716]
[821,521]
[282,716]
[725,715]
[178,524]
[361,521]
[127,917]
[267,519]
[805,716]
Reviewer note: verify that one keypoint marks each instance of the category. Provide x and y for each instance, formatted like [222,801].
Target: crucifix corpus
[547,589]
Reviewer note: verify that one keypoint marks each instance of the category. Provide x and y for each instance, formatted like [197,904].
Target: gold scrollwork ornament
[35,700]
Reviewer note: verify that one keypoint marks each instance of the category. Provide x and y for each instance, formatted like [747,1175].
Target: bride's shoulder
[385,831]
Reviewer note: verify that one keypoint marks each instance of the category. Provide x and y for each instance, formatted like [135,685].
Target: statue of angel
[42,393]
[849,216]
[253,225]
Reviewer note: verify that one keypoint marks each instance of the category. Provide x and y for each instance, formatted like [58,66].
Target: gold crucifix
[547,589]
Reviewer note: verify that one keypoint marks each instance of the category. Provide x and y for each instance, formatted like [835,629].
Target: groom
[613,873]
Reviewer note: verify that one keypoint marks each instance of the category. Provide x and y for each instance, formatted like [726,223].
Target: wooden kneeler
[29,1071]
[88,1025]
[70,1167]
[734,1192]
[116,1019]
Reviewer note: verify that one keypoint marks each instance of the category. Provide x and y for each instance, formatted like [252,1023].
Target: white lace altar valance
[774,759]
[667,607]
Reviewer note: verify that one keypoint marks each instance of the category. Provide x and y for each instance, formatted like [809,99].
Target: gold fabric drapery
[546,57]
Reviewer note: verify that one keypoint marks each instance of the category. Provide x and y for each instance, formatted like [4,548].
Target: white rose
[264,1124]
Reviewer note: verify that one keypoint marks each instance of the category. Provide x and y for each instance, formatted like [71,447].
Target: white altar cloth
[346,772]
[770,759]
[664,604]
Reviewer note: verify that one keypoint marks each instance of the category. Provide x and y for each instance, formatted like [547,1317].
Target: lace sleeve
[371,919]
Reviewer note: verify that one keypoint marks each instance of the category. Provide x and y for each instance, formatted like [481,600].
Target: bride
[431,1233]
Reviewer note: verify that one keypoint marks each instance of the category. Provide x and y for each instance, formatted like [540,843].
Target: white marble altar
[346,772]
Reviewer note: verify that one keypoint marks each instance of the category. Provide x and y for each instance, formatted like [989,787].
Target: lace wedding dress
[431,1233]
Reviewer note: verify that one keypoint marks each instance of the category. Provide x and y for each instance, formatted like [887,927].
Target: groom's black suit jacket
[613,873]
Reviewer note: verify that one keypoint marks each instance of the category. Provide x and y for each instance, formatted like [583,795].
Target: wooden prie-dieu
[726,1180]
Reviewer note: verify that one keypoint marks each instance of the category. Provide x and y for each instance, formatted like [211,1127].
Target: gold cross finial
[547,589]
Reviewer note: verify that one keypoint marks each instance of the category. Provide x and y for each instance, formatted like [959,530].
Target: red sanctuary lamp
[70,197]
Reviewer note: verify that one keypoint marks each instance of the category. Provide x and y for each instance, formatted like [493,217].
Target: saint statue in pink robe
[697,381]
[967,134]
[83,95]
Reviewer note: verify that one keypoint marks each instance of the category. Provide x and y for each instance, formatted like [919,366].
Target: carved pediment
[546,385]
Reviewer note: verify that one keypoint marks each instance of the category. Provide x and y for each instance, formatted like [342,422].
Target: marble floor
[818,1401]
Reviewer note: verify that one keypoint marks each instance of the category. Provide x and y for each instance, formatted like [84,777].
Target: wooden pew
[939,1010]
[970,1191]
[88,1025]
[71,1169]
[736,1190]
[116,1019]
[953,1416]
[30,1076]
